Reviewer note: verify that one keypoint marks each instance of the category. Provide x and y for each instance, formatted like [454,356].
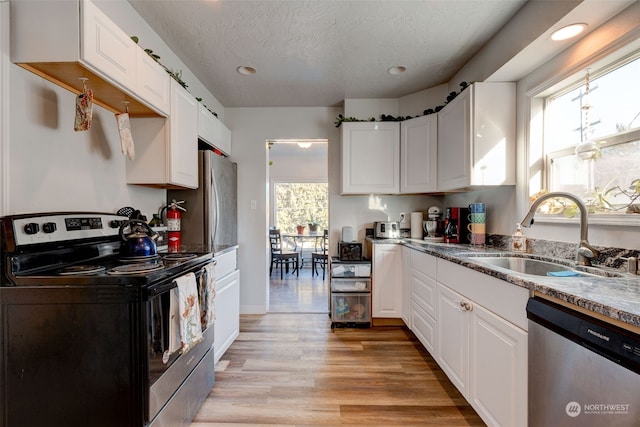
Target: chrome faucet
[585,251]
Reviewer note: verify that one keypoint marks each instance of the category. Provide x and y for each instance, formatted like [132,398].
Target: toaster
[386,230]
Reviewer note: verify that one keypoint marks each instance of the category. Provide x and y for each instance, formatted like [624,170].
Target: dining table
[298,240]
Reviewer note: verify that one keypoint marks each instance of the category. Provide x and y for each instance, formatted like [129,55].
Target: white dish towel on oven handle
[184,322]
[208,296]
[190,326]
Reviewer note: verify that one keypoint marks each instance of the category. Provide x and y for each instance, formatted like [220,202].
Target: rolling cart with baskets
[350,296]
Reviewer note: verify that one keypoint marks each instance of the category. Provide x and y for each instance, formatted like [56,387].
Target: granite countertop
[615,295]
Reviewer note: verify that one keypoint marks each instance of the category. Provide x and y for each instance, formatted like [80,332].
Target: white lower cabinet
[453,338]
[484,355]
[406,286]
[422,284]
[387,286]
[498,369]
[226,304]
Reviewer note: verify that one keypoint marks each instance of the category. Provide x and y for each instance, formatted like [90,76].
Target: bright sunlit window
[592,139]
[301,203]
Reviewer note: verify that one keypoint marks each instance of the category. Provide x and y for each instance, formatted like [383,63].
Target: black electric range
[88,331]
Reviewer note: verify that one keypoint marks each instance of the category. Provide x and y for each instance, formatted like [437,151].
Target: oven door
[168,372]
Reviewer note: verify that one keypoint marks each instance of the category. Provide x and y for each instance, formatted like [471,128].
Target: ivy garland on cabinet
[176,75]
[388,118]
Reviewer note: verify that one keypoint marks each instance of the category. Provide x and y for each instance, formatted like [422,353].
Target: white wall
[251,128]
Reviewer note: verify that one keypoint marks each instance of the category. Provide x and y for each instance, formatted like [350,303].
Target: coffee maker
[456,221]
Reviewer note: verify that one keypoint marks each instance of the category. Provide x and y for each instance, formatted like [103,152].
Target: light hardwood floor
[293,369]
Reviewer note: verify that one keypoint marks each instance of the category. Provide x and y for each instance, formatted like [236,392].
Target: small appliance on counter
[386,230]
[456,221]
[434,226]
[349,251]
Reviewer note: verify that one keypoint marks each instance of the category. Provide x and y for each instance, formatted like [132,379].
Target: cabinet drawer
[347,269]
[351,307]
[424,263]
[424,327]
[423,292]
[225,264]
[350,285]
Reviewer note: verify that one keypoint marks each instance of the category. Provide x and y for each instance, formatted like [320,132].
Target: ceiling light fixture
[304,144]
[568,32]
[397,69]
[246,70]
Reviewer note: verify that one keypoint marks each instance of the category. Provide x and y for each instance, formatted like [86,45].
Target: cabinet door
[406,286]
[227,312]
[454,143]
[213,131]
[183,143]
[106,48]
[498,369]
[453,338]
[153,83]
[387,281]
[418,154]
[370,158]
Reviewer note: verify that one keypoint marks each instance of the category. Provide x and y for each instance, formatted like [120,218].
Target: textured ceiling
[318,53]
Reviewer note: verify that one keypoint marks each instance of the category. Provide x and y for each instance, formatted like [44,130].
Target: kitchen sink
[537,267]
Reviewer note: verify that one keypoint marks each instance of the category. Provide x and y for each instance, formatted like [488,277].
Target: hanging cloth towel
[208,296]
[124,129]
[190,326]
[84,108]
[174,325]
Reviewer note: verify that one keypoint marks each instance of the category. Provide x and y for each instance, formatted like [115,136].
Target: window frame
[574,81]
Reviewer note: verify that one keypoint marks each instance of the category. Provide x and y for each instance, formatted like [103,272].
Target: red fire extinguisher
[173,225]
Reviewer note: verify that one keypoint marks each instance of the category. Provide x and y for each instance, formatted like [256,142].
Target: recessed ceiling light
[246,70]
[568,32]
[397,69]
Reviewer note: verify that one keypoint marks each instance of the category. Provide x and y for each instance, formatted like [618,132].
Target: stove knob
[115,223]
[49,227]
[31,228]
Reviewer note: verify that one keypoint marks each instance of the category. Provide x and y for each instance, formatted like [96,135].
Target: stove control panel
[51,228]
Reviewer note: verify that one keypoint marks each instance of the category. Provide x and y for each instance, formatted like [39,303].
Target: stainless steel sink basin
[529,266]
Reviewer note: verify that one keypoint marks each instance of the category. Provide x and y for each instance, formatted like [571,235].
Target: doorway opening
[299,208]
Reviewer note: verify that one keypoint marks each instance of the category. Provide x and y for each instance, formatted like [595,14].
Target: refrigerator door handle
[215,215]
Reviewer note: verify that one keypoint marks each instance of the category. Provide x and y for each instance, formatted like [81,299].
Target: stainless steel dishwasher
[582,371]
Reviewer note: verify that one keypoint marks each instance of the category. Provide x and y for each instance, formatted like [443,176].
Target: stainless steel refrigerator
[211,220]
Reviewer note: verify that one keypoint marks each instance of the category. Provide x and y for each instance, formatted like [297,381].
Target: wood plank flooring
[293,369]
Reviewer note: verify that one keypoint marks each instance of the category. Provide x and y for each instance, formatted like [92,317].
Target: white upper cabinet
[476,138]
[153,84]
[212,131]
[370,158]
[418,154]
[82,42]
[167,149]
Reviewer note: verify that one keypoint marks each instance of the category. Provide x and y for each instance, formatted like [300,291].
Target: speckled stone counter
[615,295]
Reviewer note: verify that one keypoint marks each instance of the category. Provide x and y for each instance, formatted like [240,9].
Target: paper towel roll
[416,225]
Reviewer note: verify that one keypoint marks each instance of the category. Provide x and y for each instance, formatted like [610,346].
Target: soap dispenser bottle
[518,240]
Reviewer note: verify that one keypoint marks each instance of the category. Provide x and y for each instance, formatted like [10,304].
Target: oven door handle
[164,288]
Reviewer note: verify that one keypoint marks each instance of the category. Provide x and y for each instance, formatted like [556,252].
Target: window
[592,138]
[301,203]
